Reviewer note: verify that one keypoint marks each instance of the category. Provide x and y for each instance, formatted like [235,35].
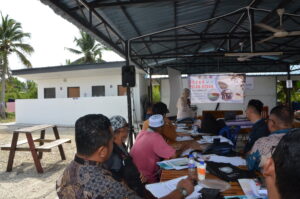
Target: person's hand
[185,146]
[143,178]
[187,184]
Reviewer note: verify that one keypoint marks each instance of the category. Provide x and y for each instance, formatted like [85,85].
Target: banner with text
[217,88]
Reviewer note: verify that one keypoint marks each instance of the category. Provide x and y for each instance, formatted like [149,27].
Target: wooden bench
[36,151]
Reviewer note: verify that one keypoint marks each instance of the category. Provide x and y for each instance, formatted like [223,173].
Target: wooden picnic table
[36,151]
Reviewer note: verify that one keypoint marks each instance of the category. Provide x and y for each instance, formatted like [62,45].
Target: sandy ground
[24,182]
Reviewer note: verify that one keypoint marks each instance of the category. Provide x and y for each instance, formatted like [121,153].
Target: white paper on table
[181,130]
[236,161]
[181,125]
[164,188]
[183,138]
[249,187]
[177,163]
[210,139]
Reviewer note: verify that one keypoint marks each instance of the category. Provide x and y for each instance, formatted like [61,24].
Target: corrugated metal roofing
[113,22]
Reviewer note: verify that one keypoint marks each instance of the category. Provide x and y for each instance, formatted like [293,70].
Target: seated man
[120,163]
[279,123]
[150,147]
[169,130]
[85,177]
[260,128]
[282,171]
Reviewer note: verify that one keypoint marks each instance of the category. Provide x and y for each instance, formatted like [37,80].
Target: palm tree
[11,42]
[89,49]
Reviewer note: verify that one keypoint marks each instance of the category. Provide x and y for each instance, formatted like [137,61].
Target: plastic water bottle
[192,168]
[201,170]
[195,129]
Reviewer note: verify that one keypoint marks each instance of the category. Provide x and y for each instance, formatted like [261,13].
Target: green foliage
[156,93]
[89,49]
[282,90]
[15,89]
[11,42]
[10,117]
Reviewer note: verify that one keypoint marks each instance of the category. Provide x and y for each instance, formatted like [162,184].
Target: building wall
[65,111]
[264,89]
[110,81]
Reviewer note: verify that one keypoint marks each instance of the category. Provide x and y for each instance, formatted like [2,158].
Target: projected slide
[217,88]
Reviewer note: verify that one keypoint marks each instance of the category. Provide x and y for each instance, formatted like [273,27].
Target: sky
[50,34]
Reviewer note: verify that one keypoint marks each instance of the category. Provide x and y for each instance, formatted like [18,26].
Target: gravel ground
[24,182]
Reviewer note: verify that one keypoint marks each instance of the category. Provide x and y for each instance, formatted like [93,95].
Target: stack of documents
[183,138]
[177,163]
[210,139]
[251,189]
[164,188]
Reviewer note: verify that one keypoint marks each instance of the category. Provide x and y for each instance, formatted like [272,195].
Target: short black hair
[284,114]
[287,165]
[91,132]
[160,108]
[257,105]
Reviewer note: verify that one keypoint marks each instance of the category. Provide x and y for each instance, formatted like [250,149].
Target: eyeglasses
[273,150]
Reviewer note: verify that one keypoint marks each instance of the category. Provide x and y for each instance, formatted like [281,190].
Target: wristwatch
[183,191]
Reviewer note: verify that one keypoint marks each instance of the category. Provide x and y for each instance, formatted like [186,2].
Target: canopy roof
[193,36]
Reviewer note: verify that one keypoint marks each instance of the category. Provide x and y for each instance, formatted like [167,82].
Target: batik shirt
[262,148]
[89,180]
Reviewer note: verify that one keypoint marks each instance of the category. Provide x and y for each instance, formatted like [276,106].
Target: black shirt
[259,129]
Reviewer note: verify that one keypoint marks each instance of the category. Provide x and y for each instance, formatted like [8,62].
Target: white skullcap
[156,121]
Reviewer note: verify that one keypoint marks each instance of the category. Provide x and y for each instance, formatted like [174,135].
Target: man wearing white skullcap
[150,147]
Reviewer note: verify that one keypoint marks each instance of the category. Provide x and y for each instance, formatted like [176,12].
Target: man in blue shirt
[260,128]
[279,123]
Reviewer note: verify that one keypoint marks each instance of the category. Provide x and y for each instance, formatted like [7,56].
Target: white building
[66,93]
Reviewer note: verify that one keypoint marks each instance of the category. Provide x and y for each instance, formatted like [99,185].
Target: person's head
[160,108]
[254,109]
[156,122]
[186,92]
[281,117]
[120,129]
[282,171]
[93,136]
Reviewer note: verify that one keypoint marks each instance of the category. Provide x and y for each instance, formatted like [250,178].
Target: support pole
[150,85]
[129,108]
[288,94]
[251,31]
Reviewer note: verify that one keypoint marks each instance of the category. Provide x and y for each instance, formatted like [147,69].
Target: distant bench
[45,145]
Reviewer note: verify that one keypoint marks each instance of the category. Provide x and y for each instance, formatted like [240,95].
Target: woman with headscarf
[183,105]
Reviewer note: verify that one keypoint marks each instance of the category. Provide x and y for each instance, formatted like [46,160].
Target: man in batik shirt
[85,177]
[279,123]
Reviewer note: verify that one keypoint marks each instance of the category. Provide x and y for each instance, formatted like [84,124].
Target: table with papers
[235,189]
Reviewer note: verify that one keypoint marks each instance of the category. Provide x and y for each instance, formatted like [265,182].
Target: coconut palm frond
[72,50]
[23,59]
[24,47]
[89,48]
